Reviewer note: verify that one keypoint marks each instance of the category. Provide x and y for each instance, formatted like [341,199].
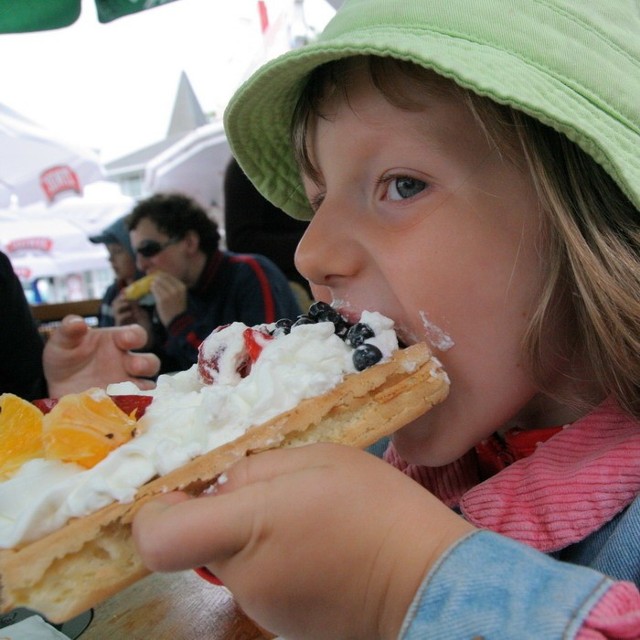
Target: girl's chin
[418,443]
[412,442]
[422,452]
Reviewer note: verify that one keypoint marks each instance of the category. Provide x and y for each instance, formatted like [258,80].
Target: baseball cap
[117,233]
[573,65]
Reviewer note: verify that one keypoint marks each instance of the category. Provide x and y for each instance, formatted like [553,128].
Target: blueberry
[340,324]
[323,312]
[318,308]
[366,355]
[303,320]
[283,326]
[358,333]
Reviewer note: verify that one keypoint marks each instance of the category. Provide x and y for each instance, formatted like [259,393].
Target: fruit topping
[231,354]
[133,405]
[224,357]
[358,333]
[254,340]
[85,427]
[355,335]
[323,312]
[208,363]
[303,319]
[366,355]
[282,327]
[45,404]
[319,309]
[20,433]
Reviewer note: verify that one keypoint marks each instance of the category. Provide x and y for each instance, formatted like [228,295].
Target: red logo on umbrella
[24,273]
[34,243]
[59,179]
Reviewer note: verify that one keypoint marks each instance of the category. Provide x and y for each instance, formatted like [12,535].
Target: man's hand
[127,312]
[77,357]
[322,541]
[170,295]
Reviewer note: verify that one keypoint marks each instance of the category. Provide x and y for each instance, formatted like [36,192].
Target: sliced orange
[85,427]
[20,433]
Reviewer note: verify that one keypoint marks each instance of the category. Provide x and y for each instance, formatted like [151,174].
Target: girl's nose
[327,253]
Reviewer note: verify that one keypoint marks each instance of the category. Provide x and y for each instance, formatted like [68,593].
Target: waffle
[93,557]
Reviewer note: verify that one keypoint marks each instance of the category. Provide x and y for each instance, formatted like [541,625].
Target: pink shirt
[569,487]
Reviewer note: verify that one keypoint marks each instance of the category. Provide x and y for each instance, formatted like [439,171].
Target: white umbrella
[48,247]
[35,166]
[194,166]
[100,205]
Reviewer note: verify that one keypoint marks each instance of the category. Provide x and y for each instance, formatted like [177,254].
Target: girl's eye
[404,187]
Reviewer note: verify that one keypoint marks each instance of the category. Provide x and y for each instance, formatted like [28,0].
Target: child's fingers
[70,332]
[128,337]
[142,365]
[275,463]
[222,525]
[218,528]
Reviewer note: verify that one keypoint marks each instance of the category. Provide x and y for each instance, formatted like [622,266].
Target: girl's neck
[543,411]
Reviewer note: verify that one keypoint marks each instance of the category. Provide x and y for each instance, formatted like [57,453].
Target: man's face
[156,251]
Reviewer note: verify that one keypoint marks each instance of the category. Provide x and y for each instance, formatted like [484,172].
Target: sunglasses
[150,248]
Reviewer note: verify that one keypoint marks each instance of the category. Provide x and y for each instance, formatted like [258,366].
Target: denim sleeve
[488,586]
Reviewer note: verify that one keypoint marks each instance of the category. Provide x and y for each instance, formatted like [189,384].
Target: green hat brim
[593,100]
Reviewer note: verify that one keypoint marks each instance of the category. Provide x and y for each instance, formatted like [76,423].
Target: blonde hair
[590,230]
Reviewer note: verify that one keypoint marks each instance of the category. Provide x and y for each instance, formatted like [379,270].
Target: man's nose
[142,263]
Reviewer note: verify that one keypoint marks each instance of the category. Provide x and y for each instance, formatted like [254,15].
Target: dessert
[65,528]
[139,288]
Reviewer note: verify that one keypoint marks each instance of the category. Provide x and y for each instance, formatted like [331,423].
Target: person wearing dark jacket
[197,286]
[254,225]
[21,346]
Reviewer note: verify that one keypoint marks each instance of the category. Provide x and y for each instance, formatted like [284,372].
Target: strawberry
[45,404]
[254,341]
[206,366]
[127,403]
[133,405]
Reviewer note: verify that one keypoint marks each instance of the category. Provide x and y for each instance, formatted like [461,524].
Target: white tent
[195,165]
[101,204]
[59,254]
[36,166]
[52,242]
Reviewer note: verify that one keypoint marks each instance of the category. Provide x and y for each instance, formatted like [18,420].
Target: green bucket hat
[572,64]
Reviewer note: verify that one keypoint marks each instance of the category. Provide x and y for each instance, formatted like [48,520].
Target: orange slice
[85,427]
[20,433]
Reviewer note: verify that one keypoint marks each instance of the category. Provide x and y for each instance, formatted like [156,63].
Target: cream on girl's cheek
[434,335]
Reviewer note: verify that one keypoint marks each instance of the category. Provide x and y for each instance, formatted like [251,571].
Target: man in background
[197,286]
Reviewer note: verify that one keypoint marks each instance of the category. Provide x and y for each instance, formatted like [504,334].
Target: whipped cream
[187,418]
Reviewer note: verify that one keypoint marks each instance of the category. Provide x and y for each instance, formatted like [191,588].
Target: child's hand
[320,541]
[77,357]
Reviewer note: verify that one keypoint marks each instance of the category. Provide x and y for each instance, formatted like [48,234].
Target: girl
[470,174]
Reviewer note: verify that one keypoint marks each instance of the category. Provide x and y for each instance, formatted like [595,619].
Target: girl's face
[419,217]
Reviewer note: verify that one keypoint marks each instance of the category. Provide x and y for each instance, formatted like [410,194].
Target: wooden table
[171,606]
